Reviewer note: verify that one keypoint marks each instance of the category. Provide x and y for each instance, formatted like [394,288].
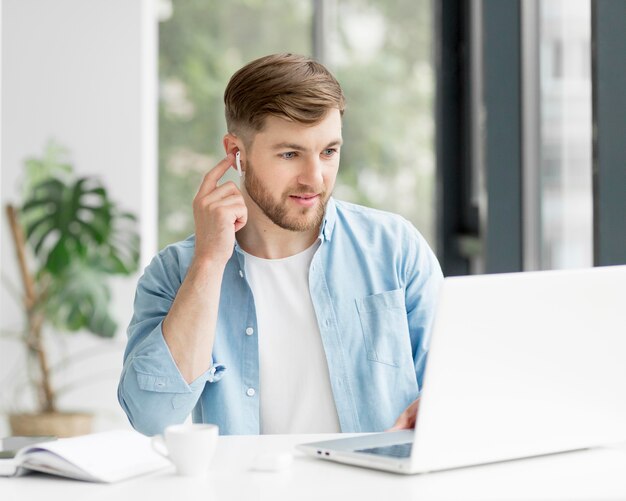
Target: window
[381,55]
[565,137]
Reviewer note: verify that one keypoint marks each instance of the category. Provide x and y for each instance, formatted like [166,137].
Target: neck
[262,238]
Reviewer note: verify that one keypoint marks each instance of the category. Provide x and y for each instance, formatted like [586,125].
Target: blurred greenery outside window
[379,51]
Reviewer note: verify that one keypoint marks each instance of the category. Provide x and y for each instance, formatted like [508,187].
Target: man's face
[291,170]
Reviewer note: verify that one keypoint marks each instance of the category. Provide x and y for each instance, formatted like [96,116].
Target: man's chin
[301,224]
[306,219]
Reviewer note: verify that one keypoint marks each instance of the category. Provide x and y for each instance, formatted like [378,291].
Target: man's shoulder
[371,218]
[382,233]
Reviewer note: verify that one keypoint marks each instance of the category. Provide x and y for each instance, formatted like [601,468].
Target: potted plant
[69,238]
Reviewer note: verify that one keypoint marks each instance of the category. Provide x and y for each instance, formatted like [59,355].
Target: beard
[306,218]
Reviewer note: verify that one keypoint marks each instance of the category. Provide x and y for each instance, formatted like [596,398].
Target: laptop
[520,365]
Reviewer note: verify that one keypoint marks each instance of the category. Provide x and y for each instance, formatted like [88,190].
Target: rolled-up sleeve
[152,391]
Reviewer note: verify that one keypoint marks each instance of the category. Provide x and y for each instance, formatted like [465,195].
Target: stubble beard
[278,212]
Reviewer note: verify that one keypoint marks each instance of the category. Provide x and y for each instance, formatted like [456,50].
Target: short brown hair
[288,86]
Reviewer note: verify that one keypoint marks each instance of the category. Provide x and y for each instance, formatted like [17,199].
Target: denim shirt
[374,284]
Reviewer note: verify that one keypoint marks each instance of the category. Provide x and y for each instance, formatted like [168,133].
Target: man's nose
[311,174]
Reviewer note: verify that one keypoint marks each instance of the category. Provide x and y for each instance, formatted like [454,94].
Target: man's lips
[305,195]
[305,199]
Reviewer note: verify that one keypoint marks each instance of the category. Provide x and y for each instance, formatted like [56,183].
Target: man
[287,311]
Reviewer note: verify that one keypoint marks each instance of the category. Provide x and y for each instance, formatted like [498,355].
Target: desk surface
[593,475]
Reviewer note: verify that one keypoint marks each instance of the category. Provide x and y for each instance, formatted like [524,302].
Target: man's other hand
[407,419]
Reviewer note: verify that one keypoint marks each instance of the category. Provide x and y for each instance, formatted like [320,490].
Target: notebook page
[108,456]
[48,462]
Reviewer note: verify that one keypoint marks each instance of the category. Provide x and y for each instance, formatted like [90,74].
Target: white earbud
[238,163]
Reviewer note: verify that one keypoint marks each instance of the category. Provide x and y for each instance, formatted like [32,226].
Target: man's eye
[329,152]
[288,155]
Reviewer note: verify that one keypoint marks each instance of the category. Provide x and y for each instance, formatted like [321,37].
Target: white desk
[592,475]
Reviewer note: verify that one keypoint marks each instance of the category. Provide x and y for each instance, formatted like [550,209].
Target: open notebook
[107,457]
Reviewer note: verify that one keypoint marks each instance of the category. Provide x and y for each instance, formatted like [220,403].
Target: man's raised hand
[218,212]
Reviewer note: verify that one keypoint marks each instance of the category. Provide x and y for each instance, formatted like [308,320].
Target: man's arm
[189,327]
[423,282]
[169,356]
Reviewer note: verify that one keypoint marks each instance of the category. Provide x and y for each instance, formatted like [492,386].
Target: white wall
[84,73]
[1,238]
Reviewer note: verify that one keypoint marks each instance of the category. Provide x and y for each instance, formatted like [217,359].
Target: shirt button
[249,331]
[250,392]
[241,273]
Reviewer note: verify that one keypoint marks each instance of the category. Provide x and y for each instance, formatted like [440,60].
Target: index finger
[209,183]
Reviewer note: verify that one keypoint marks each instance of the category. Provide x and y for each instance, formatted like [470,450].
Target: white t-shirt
[295,392]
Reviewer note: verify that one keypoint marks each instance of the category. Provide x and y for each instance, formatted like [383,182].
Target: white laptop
[520,365]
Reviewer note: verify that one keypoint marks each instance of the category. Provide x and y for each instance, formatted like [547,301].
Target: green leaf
[34,225]
[59,258]
[79,298]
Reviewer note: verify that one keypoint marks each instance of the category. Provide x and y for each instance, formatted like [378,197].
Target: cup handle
[158,445]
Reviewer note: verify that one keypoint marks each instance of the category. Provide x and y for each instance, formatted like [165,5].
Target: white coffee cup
[189,446]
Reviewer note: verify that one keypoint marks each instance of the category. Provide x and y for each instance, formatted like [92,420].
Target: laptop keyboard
[396,450]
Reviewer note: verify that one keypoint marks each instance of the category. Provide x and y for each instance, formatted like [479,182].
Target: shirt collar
[328,224]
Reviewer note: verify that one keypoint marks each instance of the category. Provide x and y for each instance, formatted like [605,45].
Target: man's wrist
[206,268]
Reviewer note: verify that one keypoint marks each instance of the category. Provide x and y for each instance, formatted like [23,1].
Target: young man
[287,311]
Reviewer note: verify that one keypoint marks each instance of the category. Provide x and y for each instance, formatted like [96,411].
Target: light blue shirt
[374,283]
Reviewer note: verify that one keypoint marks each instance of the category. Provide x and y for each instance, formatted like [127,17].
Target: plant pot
[58,424]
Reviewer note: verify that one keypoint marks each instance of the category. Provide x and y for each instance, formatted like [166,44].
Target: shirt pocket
[385,326]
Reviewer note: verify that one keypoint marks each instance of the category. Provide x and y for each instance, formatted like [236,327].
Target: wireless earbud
[238,163]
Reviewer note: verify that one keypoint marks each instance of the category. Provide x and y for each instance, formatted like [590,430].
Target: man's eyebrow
[288,146]
[298,147]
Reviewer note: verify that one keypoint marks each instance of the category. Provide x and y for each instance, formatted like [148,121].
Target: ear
[232,143]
